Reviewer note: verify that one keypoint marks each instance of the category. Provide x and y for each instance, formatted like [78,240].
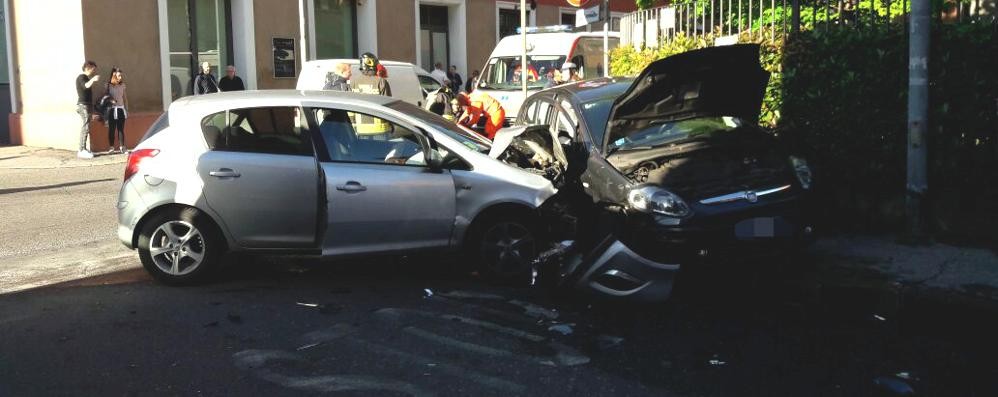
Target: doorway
[199,30]
[434,36]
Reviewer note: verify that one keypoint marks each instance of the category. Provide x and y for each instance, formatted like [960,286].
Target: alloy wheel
[177,248]
[508,248]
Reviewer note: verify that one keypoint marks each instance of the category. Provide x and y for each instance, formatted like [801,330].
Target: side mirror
[433,160]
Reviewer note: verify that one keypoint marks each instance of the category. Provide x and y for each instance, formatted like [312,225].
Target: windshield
[597,114]
[503,73]
[463,135]
[662,133]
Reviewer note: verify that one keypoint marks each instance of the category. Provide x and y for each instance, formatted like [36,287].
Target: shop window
[335,29]
[199,31]
[509,20]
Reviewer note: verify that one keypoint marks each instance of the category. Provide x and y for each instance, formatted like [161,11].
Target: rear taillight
[135,160]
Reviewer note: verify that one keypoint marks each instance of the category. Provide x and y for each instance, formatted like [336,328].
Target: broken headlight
[657,200]
[802,171]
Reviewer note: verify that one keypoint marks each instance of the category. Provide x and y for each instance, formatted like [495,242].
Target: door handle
[224,173]
[351,187]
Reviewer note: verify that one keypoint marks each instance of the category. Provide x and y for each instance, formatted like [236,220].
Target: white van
[409,82]
[545,51]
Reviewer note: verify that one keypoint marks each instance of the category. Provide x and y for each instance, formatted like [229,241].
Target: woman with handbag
[118,111]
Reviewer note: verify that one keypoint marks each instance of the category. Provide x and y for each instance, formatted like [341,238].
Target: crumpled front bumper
[612,269]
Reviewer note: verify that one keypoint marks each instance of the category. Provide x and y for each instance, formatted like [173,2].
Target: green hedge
[840,97]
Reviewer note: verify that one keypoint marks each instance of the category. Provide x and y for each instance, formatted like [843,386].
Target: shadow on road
[53,186]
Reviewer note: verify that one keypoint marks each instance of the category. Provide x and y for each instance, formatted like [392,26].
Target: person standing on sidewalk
[472,82]
[84,102]
[205,82]
[455,79]
[230,82]
[118,112]
[339,78]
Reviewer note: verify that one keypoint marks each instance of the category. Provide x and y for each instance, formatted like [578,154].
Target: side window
[530,113]
[428,83]
[362,138]
[543,113]
[271,130]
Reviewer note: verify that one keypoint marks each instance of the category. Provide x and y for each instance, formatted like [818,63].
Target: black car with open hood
[672,166]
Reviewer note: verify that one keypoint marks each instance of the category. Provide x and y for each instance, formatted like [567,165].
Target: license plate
[764,227]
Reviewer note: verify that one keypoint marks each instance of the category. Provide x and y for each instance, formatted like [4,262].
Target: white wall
[243,45]
[367,27]
[48,61]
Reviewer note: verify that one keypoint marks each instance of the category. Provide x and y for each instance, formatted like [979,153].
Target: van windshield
[504,73]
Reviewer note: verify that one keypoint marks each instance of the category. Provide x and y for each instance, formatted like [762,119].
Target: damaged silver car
[655,172]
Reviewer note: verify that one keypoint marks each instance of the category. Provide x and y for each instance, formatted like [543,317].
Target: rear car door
[261,177]
[381,196]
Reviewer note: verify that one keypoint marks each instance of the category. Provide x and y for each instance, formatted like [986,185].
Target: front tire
[180,247]
[504,248]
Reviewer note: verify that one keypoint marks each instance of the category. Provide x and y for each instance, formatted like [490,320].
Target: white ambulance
[547,49]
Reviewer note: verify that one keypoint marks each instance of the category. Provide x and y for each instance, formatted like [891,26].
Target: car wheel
[504,247]
[180,247]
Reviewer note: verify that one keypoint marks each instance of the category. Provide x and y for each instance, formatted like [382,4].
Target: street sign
[585,16]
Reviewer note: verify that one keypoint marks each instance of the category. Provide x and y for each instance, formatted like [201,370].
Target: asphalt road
[369,327]
[424,326]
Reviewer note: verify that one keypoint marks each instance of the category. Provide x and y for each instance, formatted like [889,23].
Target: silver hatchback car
[319,173]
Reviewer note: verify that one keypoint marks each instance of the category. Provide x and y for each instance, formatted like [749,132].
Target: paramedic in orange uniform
[475,105]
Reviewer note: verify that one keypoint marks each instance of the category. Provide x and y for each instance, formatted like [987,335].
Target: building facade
[159,43]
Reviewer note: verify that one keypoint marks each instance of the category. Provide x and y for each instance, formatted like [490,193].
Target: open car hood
[716,81]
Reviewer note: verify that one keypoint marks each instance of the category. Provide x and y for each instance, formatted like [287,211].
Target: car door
[381,195]
[261,177]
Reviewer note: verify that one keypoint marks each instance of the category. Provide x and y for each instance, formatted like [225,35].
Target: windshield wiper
[627,149]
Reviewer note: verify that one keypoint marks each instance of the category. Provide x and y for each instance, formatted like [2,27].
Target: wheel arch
[137,230]
[496,209]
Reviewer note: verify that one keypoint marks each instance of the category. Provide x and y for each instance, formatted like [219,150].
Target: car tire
[503,247]
[180,247]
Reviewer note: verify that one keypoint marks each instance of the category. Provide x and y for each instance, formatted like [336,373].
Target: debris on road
[307,304]
[308,346]
[894,386]
[211,324]
[716,361]
[427,293]
[564,329]
[608,341]
[535,311]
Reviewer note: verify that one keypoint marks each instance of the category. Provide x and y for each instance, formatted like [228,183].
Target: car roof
[557,43]
[594,89]
[235,99]
[352,61]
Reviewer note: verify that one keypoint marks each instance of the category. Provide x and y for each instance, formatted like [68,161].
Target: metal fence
[724,20]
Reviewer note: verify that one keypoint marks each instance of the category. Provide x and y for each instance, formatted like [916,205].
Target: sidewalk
[971,272]
[26,158]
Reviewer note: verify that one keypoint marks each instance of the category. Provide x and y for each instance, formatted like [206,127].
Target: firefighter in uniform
[370,82]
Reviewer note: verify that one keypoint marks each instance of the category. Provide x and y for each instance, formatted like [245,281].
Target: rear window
[159,125]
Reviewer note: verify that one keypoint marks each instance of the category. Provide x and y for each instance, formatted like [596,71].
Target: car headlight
[802,171]
[660,201]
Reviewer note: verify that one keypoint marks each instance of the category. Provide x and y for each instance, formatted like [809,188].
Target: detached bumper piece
[612,269]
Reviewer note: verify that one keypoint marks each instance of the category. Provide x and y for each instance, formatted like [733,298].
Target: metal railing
[724,20]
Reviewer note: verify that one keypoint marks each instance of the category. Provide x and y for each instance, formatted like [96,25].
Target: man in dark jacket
[339,78]
[230,82]
[84,101]
[205,82]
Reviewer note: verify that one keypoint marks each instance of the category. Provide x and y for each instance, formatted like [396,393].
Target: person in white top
[439,73]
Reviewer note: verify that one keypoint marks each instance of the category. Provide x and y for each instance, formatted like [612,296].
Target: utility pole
[918,104]
[523,34]
[605,12]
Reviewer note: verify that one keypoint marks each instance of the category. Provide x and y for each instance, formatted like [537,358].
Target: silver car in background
[319,173]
